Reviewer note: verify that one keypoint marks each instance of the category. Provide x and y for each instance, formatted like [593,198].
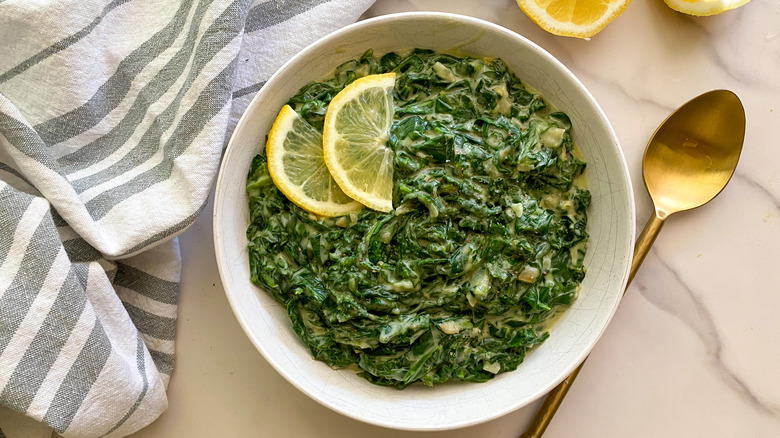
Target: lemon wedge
[296,165]
[354,140]
[704,7]
[573,18]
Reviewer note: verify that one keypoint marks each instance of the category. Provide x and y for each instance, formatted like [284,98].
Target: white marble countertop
[694,349]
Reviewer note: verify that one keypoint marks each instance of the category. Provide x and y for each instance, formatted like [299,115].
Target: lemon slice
[574,18]
[704,7]
[354,140]
[295,162]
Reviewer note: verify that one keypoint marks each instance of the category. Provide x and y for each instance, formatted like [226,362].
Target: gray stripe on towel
[269,13]
[26,140]
[24,288]
[36,362]
[164,361]
[106,145]
[146,284]
[13,204]
[241,92]
[207,105]
[150,324]
[207,48]
[114,90]
[79,380]
[140,363]
[59,45]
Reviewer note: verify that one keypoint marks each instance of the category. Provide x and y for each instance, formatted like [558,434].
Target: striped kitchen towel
[113,118]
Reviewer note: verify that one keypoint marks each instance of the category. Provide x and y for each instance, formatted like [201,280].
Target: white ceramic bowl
[447,406]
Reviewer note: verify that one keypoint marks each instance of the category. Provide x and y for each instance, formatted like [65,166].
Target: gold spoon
[687,162]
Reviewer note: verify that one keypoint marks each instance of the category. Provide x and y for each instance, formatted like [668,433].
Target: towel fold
[113,118]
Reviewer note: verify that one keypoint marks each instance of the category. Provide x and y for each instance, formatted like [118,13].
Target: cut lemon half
[573,18]
[354,140]
[296,165]
[702,8]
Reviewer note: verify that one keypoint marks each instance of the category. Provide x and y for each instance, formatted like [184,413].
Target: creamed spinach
[484,246]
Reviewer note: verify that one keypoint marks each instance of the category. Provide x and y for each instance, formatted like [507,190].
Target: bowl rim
[308,51]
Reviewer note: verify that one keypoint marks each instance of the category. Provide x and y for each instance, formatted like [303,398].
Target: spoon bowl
[694,153]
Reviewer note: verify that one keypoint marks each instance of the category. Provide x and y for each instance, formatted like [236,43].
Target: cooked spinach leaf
[486,242]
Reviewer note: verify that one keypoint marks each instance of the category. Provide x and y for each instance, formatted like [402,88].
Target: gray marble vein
[670,293]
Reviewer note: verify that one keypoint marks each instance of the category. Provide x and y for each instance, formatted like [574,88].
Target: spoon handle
[555,397]
[644,242]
